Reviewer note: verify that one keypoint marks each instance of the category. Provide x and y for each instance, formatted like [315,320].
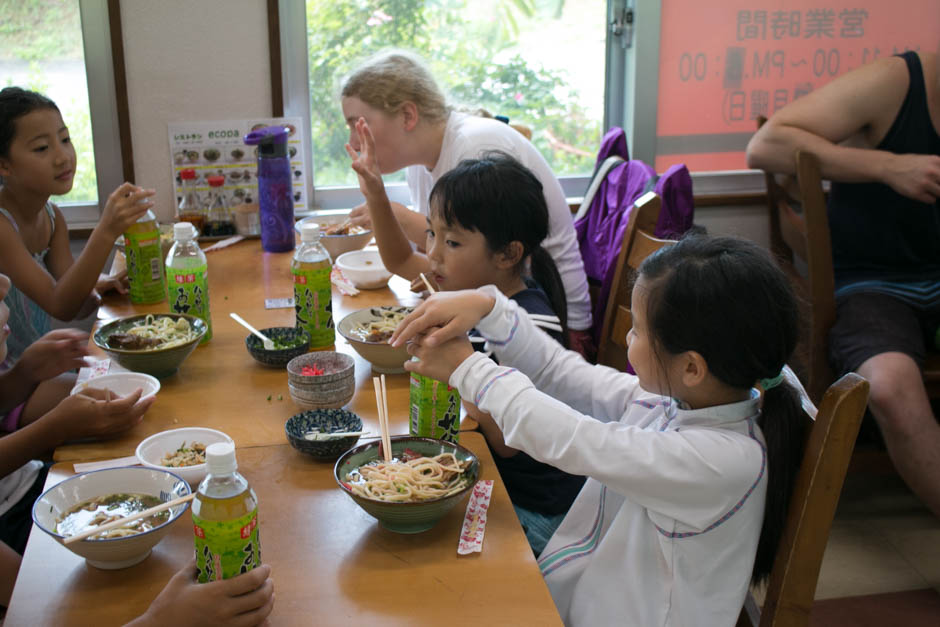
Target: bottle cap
[216,181]
[309,232]
[188,174]
[183,231]
[220,458]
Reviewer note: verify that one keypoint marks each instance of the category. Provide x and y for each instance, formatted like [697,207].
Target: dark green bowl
[278,357]
[326,421]
[406,517]
[160,362]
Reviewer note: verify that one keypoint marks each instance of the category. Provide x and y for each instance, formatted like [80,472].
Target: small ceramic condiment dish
[289,342]
[333,387]
[308,432]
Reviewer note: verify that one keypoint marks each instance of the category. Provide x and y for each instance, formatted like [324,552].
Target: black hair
[726,299]
[15,102]
[501,199]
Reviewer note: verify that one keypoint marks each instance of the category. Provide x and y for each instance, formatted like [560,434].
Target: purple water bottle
[274,188]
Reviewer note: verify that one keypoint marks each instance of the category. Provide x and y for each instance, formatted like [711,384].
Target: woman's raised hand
[454,312]
[364,163]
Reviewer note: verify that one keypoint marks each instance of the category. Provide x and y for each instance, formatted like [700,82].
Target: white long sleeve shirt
[468,137]
[665,530]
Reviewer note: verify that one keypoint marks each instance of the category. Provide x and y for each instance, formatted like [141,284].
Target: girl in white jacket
[690,463]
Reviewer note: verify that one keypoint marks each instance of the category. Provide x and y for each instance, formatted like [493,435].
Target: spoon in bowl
[268,343]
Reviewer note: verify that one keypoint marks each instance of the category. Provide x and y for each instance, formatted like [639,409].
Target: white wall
[190,60]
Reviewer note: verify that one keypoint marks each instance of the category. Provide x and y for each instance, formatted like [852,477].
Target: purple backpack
[602,219]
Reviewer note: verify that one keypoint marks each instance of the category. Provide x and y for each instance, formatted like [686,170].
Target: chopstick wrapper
[95,368]
[342,282]
[474,522]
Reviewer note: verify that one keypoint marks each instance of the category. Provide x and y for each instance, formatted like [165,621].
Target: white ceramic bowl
[122,383]
[336,245]
[364,268]
[151,450]
[384,357]
[111,553]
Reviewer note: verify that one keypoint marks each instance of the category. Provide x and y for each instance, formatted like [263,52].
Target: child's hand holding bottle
[125,206]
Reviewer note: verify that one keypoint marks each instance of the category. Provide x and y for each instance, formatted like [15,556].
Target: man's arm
[858,108]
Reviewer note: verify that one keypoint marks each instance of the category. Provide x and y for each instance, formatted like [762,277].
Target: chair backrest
[792,584]
[799,238]
[638,243]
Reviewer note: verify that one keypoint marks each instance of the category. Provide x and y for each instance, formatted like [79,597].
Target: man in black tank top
[875,131]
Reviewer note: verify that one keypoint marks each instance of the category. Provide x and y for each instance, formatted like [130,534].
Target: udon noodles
[190,455]
[411,479]
[154,332]
[380,329]
[104,509]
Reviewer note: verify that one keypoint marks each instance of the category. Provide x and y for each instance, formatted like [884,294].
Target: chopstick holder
[474,521]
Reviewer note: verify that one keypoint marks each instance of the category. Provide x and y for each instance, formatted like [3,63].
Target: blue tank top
[28,321]
[878,234]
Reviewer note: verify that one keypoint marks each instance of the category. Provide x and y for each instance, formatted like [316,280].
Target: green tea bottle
[313,291]
[435,408]
[187,277]
[225,519]
[144,261]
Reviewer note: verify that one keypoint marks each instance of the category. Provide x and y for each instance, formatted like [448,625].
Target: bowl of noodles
[181,451]
[367,331]
[425,480]
[155,344]
[94,498]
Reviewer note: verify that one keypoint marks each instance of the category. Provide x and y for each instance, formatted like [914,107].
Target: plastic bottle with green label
[187,277]
[312,288]
[144,261]
[434,408]
[225,519]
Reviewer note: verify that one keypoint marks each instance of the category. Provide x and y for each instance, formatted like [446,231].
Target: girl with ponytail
[486,225]
[690,463]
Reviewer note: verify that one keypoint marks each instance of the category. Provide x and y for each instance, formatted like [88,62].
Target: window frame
[294,83]
[103,111]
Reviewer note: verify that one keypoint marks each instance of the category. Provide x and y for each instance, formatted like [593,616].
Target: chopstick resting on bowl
[319,435]
[381,401]
[114,524]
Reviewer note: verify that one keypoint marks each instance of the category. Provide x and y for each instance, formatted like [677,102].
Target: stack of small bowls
[334,388]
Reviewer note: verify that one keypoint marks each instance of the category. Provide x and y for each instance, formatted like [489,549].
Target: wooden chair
[799,238]
[792,583]
[638,244]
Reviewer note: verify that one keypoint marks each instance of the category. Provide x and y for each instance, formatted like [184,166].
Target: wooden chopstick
[427,283]
[122,521]
[383,422]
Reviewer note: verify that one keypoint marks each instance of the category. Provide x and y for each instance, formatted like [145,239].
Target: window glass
[723,63]
[41,50]
[538,62]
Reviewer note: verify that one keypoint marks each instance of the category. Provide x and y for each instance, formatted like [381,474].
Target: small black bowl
[325,421]
[298,338]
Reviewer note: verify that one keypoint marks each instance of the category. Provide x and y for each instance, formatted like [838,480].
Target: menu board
[218,148]
[723,63]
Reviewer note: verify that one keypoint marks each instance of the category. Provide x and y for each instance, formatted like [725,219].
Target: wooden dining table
[332,563]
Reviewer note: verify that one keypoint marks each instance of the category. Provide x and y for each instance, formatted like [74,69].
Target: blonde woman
[415,128]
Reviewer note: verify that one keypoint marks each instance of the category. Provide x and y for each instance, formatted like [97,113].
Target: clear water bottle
[312,288]
[225,519]
[187,276]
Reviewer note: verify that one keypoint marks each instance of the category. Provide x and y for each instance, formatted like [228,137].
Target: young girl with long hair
[37,160]
[690,462]
[486,225]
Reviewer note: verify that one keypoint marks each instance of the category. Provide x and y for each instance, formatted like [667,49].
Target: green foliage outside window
[468,56]
[36,35]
